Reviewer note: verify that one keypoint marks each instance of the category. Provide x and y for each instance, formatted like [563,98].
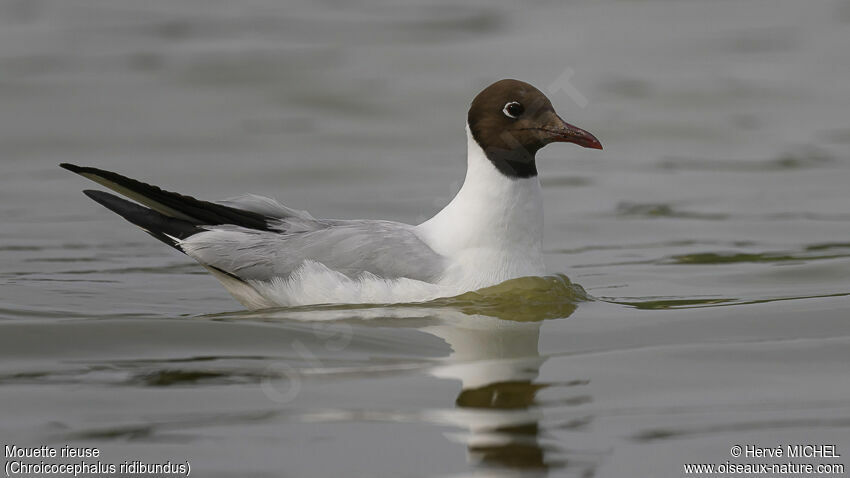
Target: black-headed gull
[269,255]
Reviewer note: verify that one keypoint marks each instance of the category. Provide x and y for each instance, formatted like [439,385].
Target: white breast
[492,230]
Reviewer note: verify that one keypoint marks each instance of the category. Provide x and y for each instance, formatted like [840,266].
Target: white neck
[492,230]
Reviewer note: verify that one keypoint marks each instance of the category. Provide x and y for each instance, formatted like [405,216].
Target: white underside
[314,283]
[489,233]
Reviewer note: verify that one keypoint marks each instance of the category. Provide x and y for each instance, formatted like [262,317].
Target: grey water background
[713,232]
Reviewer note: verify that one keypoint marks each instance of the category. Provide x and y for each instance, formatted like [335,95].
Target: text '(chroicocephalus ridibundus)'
[267,254]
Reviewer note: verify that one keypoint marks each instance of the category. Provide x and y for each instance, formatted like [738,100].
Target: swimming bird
[266,254]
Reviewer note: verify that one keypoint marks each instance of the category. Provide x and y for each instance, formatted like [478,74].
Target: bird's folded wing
[386,249]
[257,238]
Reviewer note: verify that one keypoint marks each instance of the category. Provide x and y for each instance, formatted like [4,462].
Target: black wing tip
[114,203]
[167,229]
[99,196]
[82,170]
[70,167]
[190,209]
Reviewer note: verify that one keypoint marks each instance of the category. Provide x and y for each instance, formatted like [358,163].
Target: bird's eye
[513,109]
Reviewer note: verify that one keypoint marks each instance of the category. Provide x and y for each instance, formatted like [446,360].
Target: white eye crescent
[513,109]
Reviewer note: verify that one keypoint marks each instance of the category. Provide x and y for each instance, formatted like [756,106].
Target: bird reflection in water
[496,358]
[493,334]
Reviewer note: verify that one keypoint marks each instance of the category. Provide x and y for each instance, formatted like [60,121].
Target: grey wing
[387,249]
[252,237]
